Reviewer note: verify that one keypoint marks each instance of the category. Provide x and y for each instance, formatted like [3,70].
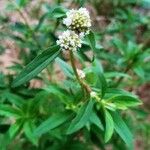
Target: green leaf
[58,12]
[91,40]
[82,117]
[14,99]
[132,50]
[81,2]
[99,71]
[120,45]
[22,3]
[10,135]
[60,93]
[124,101]
[109,126]
[52,122]
[65,67]
[28,130]
[2,80]
[5,140]
[117,91]
[14,129]
[36,66]
[139,71]
[9,111]
[116,74]
[95,120]
[85,57]
[39,99]
[41,21]
[122,129]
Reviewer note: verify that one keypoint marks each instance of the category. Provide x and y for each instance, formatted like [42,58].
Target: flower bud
[93,94]
[81,73]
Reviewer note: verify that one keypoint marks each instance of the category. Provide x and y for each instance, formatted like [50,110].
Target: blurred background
[121,26]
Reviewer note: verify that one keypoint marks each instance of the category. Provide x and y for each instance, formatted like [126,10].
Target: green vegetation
[65,90]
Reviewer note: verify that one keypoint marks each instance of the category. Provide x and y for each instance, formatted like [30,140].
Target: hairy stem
[84,86]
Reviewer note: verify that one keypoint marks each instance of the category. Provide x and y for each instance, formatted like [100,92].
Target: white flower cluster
[78,20]
[69,40]
[78,23]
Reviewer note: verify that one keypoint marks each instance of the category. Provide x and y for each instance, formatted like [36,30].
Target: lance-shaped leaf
[14,99]
[14,129]
[82,118]
[122,129]
[124,101]
[109,126]
[9,111]
[36,66]
[65,67]
[52,122]
[58,12]
[91,40]
[28,130]
[97,68]
[94,119]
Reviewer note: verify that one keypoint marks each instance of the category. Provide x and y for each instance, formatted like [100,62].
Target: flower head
[69,40]
[78,20]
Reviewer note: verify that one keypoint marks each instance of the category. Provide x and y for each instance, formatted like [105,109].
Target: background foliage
[50,111]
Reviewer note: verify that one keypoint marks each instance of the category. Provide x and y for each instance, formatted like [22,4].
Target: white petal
[67,21]
[81,34]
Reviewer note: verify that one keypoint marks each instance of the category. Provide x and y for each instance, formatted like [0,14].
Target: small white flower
[81,73]
[93,94]
[69,40]
[67,21]
[81,34]
[78,20]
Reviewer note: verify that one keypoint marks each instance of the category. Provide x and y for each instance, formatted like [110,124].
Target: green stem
[73,66]
[86,89]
